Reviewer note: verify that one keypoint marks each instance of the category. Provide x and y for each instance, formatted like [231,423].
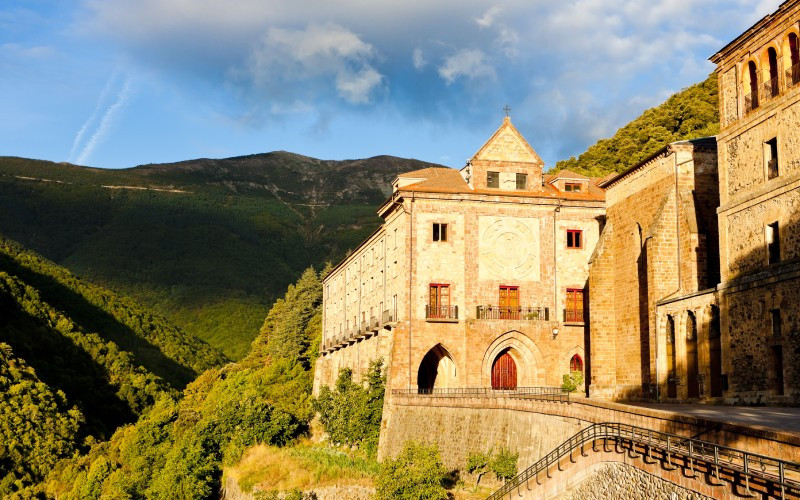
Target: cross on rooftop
[507,109]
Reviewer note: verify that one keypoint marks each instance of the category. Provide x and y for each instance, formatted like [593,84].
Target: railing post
[781,475]
[691,458]
[746,474]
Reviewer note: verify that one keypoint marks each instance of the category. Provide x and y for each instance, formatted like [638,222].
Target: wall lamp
[555,332]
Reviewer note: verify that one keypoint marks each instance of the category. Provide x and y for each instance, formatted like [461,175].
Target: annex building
[676,280]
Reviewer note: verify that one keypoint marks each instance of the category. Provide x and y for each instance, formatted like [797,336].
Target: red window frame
[571,234]
[574,305]
[438,302]
[576,364]
[573,187]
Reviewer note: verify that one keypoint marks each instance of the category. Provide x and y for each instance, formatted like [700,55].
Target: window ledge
[441,320]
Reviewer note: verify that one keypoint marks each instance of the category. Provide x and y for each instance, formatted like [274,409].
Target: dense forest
[689,114]
[179,446]
[210,244]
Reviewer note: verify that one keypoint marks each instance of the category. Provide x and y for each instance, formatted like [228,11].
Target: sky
[119,83]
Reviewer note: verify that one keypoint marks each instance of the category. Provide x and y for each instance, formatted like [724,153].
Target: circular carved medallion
[509,249]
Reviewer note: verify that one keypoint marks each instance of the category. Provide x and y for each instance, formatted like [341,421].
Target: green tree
[416,473]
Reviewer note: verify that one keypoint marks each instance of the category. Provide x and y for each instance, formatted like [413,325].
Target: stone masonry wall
[625,482]
[459,431]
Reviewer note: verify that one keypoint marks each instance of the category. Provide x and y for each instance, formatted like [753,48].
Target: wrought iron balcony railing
[441,312]
[793,75]
[771,88]
[519,313]
[573,316]
[750,102]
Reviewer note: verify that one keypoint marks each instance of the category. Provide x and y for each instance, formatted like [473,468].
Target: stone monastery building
[676,280]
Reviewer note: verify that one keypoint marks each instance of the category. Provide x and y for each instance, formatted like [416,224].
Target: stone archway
[436,370]
[523,351]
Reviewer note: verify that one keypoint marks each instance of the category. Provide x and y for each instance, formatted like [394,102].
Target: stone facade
[469,266]
[759,213]
[659,242]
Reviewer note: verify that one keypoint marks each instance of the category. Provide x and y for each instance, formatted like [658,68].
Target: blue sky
[118,83]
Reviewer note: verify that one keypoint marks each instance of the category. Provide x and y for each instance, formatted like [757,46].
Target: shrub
[504,464]
[478,464]
[350,413]
[416,473]
[571,382]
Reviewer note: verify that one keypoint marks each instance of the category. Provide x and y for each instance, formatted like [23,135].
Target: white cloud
[317,54]
[418,59]
[487,19]
[468,63]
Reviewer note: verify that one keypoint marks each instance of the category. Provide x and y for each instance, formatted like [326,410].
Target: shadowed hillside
[208,243]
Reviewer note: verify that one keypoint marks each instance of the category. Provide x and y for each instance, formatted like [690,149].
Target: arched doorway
[437,370]
[672,372]
[504,372]
[692,381]
[715,353]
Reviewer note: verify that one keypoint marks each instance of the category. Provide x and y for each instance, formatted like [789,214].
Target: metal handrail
[750,101]
[772,88]
[750,465]
[539,393]
[793,74]
[441,312]
[513,313]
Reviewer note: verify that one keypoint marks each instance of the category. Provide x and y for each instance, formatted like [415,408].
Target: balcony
[771,88]
[389,316]
[793,75]
[515,313]
[444,314]
[750,102]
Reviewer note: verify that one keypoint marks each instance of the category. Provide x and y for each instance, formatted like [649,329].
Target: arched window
[751,99]
[576,364]
[793,72]
[771,88]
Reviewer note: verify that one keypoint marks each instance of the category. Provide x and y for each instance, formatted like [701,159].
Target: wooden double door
[504,372]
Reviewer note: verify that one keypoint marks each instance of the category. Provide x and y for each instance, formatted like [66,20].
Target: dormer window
[522,181]
[493,179]
[572,187]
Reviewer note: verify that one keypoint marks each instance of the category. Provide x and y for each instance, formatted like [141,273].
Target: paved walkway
[777,417]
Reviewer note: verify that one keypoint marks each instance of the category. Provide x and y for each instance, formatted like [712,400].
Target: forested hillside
[689,114]
[208,243]
[77,362]
[178,449]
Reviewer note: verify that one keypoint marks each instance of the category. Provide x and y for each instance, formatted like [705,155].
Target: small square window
[572,187]
[574,238]
[522,181]
[493,179]
[773,243]
[439,232]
